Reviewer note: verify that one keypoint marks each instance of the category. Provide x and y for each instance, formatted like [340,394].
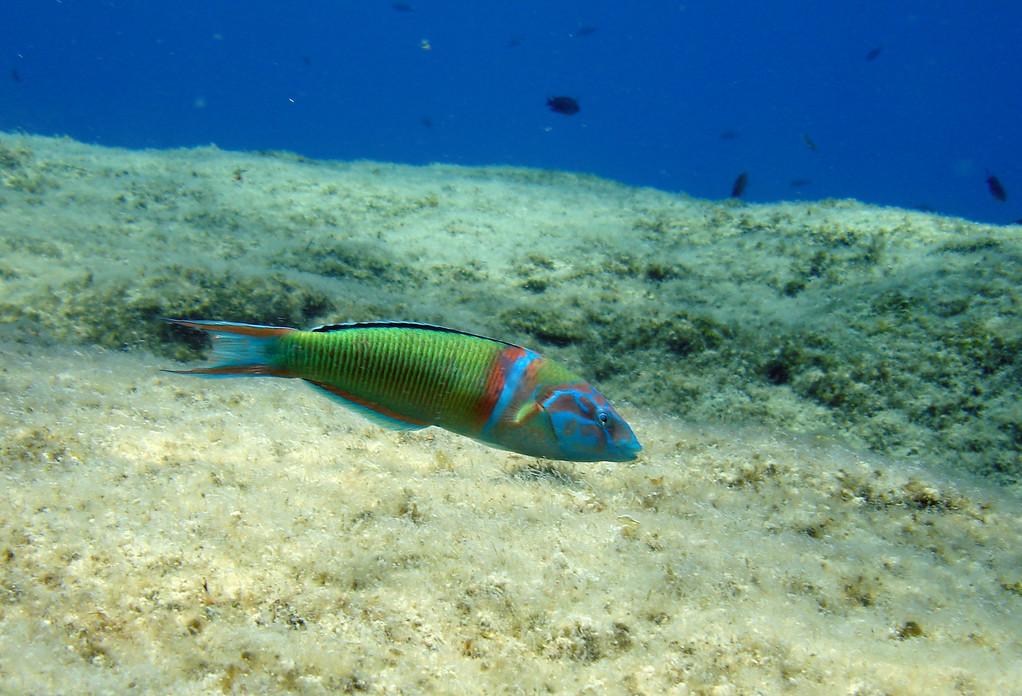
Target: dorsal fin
[327,328]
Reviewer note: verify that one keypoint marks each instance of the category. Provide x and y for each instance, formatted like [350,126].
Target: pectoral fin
[529,410]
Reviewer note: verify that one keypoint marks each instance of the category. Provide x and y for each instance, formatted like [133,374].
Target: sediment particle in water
[910,629]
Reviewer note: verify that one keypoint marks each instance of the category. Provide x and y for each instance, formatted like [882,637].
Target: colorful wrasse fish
[404,375]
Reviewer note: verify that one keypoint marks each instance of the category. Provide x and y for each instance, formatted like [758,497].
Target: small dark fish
[563,105]
[515,40]
[739,186]
[402,7]
[729,135]
[426,122]
[809,142]
[1019,221]
[306,60]
[15,76]
[996,189]
[583,31]
[799,183]
[875,52]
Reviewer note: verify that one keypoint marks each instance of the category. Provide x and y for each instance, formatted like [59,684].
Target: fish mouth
[626,451]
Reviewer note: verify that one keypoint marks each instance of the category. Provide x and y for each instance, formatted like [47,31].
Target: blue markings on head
[586,426]
[567,420]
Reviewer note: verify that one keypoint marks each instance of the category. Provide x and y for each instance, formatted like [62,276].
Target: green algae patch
[885,329]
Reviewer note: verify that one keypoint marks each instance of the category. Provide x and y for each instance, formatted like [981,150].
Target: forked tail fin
[239,350]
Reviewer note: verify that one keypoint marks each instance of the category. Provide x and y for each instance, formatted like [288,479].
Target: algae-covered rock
[887,329]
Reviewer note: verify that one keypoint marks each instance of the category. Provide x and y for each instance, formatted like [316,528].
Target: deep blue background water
[659,84]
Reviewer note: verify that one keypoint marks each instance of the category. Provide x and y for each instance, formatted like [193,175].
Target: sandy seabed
[163,534]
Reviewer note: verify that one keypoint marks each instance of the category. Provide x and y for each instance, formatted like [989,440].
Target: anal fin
[390,421]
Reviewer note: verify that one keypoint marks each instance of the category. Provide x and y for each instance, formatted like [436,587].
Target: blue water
[681,96]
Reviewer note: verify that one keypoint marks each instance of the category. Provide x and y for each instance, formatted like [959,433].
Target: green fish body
[407,375]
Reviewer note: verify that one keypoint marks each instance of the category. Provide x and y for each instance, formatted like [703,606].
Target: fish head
[585,426]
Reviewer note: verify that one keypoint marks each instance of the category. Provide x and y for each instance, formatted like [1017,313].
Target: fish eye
[602,417]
